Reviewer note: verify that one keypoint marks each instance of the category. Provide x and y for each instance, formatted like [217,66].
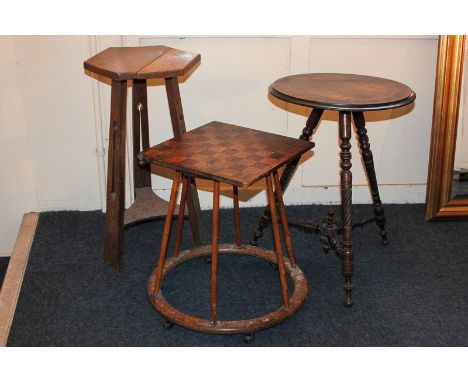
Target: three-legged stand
[147,205]
[330,228]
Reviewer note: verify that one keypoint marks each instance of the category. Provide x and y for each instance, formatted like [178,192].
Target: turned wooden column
[346,180]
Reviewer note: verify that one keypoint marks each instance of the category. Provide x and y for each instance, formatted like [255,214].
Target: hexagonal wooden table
[139,64]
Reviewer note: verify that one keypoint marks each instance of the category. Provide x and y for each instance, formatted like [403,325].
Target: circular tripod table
[349,94]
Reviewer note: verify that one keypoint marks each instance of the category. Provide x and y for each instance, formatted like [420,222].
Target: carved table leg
[346,204]
[311,125]
[178,127]
[114,235]
[370,171]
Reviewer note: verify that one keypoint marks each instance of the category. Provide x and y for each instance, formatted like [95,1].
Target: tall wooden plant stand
[138,65]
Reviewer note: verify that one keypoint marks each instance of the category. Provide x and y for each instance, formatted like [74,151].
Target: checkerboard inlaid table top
[227,153]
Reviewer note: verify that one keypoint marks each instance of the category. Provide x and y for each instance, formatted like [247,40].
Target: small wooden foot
[348,288]
[168,324]
[383,235]
[248,338]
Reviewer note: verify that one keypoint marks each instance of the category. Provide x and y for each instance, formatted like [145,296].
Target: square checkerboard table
[227,153]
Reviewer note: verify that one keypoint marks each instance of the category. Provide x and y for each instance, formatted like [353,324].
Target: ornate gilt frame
[444,131]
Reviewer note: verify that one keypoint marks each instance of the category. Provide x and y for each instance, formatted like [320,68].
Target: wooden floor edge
[11,288]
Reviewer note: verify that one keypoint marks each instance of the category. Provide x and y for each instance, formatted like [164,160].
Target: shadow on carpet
[3,268]
[413,292]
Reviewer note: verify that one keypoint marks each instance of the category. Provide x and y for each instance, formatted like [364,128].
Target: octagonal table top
[146,62]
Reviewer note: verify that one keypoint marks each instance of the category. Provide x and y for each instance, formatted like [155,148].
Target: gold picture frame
[448,85]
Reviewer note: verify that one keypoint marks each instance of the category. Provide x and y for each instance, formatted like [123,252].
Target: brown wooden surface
[178,129]
[214,255]
[447,99]
[143,62]
[346,180]
[139,64]
[180,219]
[250,325]
[284,219]
[115,193]
[342,91]
[227,153]
[277,240]
[166,235]
[140,127]
[368,159]
[289,170]
[235,198]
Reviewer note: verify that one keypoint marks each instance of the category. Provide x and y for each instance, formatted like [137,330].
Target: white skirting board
[400,194]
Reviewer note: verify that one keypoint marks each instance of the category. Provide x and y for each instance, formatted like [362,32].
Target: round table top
[347,92]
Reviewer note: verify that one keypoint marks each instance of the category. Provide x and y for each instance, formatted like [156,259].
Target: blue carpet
[413,292]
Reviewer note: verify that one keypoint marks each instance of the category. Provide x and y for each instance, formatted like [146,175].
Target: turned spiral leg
[311,125]
[166,234]
[368,159]
[284,220]
[346,204]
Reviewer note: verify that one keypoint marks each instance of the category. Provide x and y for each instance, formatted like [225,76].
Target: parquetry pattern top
[144,62]
[227,153]
[342,91]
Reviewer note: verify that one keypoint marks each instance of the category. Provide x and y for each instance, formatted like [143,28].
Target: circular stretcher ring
[230,327]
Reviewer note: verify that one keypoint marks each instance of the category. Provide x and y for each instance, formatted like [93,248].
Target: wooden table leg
[368,159]
[141,173]
[347,260]
[284,220]
[235,193]
[166,235]
[180,220]
[311,125]
[276,236]
[214,254]
[147,205]
[114,235]
[178,127]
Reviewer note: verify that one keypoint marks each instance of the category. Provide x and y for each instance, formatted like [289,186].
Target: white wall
[231,84]
[53,116]
[47,135]
[17,190]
